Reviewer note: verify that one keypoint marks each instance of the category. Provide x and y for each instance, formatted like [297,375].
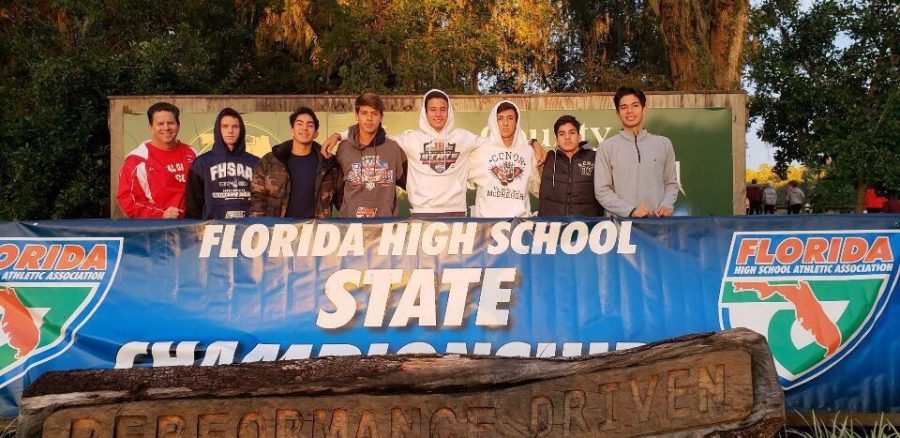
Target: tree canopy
[827,90]
[61,59]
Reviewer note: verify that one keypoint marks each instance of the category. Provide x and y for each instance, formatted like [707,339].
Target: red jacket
[152,180]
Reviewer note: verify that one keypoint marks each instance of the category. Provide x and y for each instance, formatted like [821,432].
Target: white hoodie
[504,175]
[438,163]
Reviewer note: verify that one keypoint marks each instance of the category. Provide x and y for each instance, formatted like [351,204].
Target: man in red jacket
[755,196]
[153,179]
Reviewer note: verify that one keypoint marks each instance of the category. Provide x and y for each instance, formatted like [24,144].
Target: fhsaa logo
[813,295]
[49,288]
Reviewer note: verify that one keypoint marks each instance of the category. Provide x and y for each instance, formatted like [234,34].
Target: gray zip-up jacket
[635,170]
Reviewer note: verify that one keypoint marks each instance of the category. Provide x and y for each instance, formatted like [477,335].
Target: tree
[765,174]
[827,91]
[502,46]
[410,46]
[704,40]
[602,45]
[59,60]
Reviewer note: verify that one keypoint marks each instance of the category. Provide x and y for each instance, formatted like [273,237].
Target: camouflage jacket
[271,184]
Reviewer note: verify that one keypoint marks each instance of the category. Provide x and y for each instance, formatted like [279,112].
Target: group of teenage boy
[357,172]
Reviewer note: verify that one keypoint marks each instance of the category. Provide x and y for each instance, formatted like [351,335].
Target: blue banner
[104,294]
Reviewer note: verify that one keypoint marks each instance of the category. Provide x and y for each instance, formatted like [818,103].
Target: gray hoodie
[635,170]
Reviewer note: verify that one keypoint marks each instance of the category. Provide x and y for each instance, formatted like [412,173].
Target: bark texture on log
[718,384]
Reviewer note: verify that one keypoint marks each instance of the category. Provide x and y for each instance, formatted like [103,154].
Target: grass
[841,428]
[8,429]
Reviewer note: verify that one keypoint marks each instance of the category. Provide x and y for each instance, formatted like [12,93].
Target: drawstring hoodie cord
[555,159]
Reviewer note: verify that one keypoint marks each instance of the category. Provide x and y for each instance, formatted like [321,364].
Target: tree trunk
[861,187]
[704,40]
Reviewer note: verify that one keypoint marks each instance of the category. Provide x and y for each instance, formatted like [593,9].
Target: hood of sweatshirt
[353,137]
[219,146]
[425,127]
[519,140]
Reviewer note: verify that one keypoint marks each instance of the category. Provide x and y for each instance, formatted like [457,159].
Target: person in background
[770,199]
[795,197]
[755,196]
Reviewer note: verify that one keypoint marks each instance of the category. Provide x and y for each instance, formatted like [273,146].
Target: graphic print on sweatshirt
[586,168]
[366,212]
[439,156]
[370,172]
[507,166]
[231,180]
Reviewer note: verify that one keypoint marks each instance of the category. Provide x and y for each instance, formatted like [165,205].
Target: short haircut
[162,106]
[624,91]
[506,105]
[565,120]
[371,100]
[436,95]
[304,110]
[230,112]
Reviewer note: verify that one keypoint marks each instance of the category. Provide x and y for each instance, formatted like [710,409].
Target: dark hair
[160,107]
[624,91]
[506,105]
[436,95]
[370,99]
[565,120]
[793,183]
[304,110]
[230,112]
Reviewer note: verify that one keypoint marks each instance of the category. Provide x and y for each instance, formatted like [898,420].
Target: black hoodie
[219,181]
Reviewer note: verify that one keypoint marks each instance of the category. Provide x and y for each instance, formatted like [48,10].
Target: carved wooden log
[717,384]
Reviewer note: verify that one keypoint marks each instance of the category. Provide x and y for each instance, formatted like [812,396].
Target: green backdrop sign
[701,137]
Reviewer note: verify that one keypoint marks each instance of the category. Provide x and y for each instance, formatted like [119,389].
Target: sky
[758,151]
